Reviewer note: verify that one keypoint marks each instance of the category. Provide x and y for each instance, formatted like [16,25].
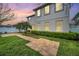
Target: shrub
[62,35]
[0,34]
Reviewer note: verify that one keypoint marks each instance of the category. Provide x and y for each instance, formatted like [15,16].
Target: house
[74,17]
[75,25]
[54,17]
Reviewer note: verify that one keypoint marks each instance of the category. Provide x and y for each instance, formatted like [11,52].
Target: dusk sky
[21,11]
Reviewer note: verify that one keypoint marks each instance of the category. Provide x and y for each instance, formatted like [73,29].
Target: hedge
[62,35]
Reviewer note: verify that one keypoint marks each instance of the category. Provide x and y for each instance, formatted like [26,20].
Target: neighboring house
[51,17]
[8,29]
[75,25]
[74,17]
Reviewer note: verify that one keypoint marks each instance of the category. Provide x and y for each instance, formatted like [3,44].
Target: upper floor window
[59,6]
[38,12]
[47,9]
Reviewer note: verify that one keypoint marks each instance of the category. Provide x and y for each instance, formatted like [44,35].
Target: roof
[7,25]
[41,6]
[30,16]
[76,16]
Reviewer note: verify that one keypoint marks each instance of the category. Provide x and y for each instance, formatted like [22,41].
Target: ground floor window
[38,27]
[59,26]
[34,27]
[47,26]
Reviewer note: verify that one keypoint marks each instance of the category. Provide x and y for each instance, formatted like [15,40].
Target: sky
[21,11]
[75,9]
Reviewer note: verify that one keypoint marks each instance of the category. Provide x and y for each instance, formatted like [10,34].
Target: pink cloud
[20,16]
[23,12]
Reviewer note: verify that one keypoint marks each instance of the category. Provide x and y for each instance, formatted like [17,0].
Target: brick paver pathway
[43,46]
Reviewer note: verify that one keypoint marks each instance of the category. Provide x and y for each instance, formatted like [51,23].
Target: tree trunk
[19,30]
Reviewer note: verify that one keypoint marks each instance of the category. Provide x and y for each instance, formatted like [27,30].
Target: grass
[15,46]
[66,48]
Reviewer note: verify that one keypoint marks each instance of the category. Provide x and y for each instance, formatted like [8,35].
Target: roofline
[76,16]
[30,16]
[41,6]
[7,25]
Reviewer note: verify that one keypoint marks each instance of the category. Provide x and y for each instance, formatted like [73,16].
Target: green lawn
[15,46]
[66,48]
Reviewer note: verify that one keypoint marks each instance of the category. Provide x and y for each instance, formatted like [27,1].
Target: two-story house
[51,17]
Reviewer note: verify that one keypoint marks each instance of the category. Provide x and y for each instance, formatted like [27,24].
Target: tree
[19,26]
[23,26]
[5,13]
[26,26]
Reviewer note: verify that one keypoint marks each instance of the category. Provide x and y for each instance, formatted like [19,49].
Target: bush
[77,37]
[62,35]
[0,34]
[5,32]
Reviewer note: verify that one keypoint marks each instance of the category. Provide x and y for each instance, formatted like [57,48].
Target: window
[59,6]
[38,12]
[47,26]
[34,27]
[47,9]
[38,27]
[59,26]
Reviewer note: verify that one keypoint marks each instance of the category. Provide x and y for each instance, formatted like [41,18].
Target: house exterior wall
[51,18]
